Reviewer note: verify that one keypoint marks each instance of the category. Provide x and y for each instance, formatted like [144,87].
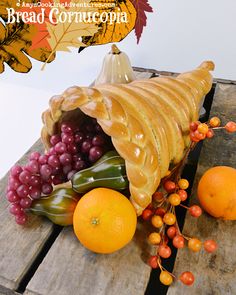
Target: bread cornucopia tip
[146,120]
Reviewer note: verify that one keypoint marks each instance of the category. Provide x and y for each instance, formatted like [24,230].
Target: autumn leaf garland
[42,40]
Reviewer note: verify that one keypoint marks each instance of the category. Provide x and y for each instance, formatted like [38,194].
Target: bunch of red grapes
[74,149]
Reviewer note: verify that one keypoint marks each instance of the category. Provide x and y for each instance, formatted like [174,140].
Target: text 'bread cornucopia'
[147,120]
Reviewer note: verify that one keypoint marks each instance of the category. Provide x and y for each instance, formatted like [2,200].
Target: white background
[180,34]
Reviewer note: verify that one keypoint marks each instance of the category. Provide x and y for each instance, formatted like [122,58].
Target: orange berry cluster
[161,213]
[200,131]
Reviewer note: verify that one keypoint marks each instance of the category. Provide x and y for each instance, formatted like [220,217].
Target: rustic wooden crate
[44,259]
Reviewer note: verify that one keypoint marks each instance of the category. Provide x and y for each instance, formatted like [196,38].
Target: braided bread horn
[148,121]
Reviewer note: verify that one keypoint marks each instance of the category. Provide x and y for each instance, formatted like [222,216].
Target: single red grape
[34,156]
[21,219]
[66,138]
[33,166]
[77,157]
[12,197]
[25,202]
[25,176]
[54,161]
[65,159]
[22,191]
[35,180]
[35,192]
[79,165]
[13,183]
[95,153]
[86,146]
[45,171]
[66,128]
[60,147]
[55,171]
[47,188]
[15,209]
[98,140]
[55,139]
[79,137]
[72,148]
[52,151]
[43,159]
[16,170]
[67,169]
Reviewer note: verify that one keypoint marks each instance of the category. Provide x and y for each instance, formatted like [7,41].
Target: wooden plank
[4,291]
[214,273]
[165,73]
[19,245]
[69,268]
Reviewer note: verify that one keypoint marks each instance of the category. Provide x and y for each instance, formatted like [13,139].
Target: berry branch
[170,194]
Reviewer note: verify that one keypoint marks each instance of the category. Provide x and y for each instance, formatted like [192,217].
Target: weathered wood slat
[214,273]
[165,73]
[69,268]
[19,245]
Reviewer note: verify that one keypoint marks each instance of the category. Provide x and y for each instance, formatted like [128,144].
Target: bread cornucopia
[147,120]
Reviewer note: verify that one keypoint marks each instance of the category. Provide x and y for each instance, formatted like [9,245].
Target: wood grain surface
[19,245]
[69,268]
[215,274]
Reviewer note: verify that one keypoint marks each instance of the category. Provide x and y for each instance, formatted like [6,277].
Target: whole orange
[104,220]
[217,192]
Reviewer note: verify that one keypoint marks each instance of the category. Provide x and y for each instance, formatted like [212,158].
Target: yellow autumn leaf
[116,31]
[69,33]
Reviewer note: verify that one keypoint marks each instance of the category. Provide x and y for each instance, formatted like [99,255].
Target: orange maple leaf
[39,40]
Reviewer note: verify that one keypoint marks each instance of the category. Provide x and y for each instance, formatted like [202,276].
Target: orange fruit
[104,220]
[217,192]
